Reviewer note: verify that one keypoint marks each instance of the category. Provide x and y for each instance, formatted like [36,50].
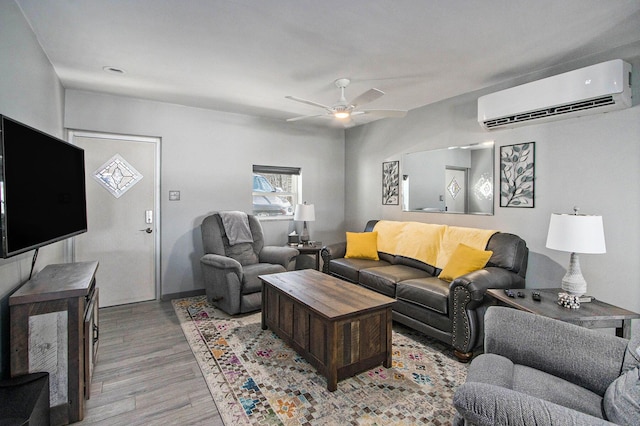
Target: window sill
[274,218]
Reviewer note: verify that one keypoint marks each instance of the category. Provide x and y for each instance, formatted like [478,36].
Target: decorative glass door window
[117,176]
[454,188]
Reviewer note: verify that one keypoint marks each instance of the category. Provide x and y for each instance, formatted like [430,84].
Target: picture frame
[391,183]
[517,175]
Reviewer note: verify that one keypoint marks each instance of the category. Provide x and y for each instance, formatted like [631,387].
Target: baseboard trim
[182,294]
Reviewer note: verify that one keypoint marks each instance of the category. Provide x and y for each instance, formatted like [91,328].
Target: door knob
[148,230]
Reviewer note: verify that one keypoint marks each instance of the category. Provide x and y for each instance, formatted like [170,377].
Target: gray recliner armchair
[231,270]
[541,371]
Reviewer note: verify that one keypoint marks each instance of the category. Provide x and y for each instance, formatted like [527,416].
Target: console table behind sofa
[451,312]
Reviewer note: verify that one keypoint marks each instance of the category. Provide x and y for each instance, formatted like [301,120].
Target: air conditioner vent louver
[595,89]
[548,112]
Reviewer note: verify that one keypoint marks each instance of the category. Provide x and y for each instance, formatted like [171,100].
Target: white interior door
[121,181]
[455,190]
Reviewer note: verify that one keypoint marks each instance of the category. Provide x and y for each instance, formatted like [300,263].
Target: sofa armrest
[279,255]
[468,301]
[222,281]
[485,404]
[585,357]
[332,251]
[221,262]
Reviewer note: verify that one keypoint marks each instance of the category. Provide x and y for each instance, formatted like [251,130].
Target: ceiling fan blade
[368,96]
[305,101]
[387,113]
[303,117]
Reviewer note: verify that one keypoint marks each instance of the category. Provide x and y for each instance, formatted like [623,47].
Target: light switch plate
[174,195]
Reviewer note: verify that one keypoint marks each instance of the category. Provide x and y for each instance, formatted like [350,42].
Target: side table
[594,314]
[310,249]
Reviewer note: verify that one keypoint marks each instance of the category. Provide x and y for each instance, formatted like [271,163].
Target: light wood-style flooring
[146,373]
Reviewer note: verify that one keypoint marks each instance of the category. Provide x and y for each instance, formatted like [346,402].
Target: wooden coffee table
[594,314]
[340,328]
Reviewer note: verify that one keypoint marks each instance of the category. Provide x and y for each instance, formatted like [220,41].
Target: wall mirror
[450,180]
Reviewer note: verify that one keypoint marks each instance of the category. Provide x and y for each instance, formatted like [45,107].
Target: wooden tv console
[54,328]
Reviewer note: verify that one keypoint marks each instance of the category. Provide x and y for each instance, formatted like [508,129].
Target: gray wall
[30,92]
[208,156]
[592,162]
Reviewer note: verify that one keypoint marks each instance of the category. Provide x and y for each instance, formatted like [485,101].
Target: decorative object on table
[293,239]
[567,300]
[391,183]
[304,213]
[576,233]
[517,175]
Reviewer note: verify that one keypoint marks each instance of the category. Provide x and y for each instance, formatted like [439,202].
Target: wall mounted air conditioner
[597,88]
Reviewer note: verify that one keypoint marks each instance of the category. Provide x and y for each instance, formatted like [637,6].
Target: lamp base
[573,281]
[304,236]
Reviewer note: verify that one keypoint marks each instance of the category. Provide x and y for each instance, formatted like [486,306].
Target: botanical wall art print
[517,175]
[391,182]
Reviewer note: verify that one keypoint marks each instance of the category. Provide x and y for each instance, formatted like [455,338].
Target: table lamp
[575,233]
[304,213]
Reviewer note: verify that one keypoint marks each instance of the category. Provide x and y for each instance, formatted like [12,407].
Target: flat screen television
[42,189]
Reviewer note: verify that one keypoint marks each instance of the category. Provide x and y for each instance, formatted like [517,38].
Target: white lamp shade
[305,212]
[576,233]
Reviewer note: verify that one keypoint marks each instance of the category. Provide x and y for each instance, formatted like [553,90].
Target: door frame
[466,186]
[157,141]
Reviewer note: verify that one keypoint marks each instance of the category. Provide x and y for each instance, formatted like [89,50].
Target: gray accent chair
[541,371]
[231,272]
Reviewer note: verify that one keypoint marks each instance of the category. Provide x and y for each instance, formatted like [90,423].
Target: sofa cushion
[384,279]
[622,399]
[554,389]
[401,260]
[250,281]
[463,260]
[492,369]
[509,252]
[362,245]
[427,321]
[242,252]
[349,269]
[497,370]
[430,292]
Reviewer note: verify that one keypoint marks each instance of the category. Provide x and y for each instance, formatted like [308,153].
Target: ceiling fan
[344,110]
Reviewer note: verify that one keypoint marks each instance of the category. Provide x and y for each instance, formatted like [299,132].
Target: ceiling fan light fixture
[344,110]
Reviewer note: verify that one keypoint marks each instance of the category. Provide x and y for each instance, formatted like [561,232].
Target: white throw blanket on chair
[236,226]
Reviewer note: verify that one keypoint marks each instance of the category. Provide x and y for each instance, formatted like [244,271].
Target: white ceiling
[245,56]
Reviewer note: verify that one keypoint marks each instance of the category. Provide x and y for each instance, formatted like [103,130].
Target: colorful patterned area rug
[256,379]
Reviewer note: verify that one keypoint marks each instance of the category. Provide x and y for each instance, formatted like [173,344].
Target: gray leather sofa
[541,371]
[451,312]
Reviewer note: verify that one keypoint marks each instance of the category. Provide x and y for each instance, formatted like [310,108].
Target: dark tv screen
[43,188]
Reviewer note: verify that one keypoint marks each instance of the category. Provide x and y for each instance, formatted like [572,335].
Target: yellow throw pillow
[463,260]
[362,245]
